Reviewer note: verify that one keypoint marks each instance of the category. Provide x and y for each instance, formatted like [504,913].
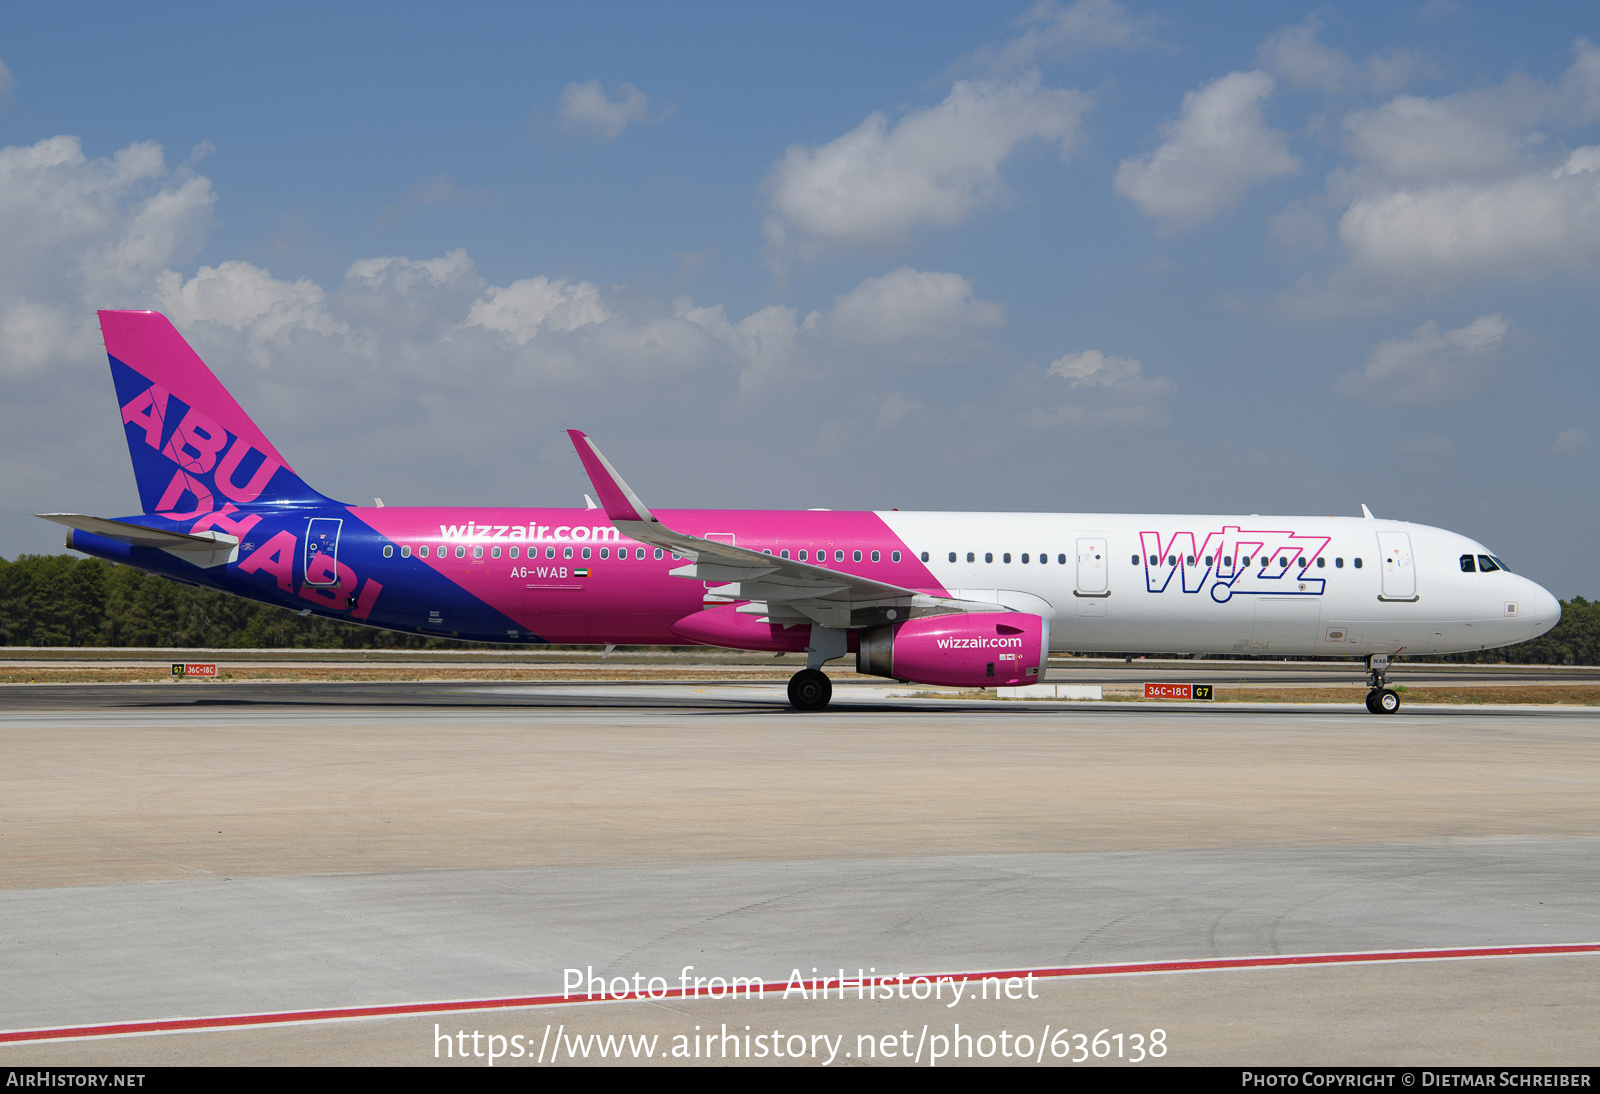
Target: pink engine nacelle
[972,650]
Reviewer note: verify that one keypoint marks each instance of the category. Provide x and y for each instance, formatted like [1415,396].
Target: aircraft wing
[784,590]
[209,549]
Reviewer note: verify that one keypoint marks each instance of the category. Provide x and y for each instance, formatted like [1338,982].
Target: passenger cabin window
[988,556]
[515,551]
[1485,563]
[494,552]
[855,556]
[802,556]
[585,552]
[605,553]
[1024,558]
[638,554]
[894,556]
[477,552]
[1358,564]
[1466,565]
[461,552]
[1322,563]
[1061,560]
[971,557]
[783,554]
[405,551]
[876,556]
[1006,557]
[388,551]
[1135,560]
[423,551]
[1338,564]
[658,554]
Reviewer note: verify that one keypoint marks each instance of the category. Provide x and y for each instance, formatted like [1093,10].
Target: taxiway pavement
[258,855]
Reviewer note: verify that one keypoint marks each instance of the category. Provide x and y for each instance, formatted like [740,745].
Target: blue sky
[1069,256]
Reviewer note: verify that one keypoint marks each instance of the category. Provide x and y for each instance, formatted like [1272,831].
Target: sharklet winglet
[616,497]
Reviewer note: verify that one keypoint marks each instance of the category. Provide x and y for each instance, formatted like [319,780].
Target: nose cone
[1543,610]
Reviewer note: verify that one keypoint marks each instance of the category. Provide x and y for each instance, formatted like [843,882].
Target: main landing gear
[1380,700]
[810,689]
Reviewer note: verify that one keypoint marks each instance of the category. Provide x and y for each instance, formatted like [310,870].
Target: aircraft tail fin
[195,451]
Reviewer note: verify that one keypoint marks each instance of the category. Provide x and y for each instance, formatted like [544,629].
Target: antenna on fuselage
[1367,512]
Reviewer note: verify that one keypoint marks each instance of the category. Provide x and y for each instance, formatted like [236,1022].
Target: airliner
[970,600]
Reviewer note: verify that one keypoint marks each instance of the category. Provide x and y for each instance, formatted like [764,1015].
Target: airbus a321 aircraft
[964,599]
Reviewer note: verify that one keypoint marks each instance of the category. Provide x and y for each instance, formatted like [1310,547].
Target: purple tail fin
[195,451]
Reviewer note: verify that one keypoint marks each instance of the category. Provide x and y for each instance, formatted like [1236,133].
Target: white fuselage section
[1329,586]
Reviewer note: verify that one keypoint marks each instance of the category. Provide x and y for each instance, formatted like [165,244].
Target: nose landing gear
[1380,700]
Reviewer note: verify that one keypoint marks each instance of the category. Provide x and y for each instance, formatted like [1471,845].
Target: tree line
[62,600]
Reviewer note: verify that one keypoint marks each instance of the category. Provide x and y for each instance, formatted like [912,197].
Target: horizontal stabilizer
[205,550]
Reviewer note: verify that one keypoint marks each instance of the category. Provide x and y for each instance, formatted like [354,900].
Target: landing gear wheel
[1382,701]
[809,689]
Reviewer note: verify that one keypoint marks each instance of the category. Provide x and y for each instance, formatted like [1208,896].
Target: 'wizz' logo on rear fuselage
[1234,560]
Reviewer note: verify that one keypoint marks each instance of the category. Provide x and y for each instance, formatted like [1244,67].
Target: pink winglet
[147,342]
[613,494]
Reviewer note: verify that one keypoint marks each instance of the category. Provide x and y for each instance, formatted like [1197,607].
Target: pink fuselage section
[568,576]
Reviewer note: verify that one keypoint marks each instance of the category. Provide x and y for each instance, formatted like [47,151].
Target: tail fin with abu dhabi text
[196,453]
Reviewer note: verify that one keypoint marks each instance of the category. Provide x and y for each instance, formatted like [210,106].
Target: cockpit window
[1466,565]
[1486,564]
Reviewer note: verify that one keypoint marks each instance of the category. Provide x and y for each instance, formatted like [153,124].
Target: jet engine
[972,650]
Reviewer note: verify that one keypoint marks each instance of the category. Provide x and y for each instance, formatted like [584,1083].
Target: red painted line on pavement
[271,1018]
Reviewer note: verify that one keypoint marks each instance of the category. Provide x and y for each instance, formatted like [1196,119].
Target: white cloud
[766,343]
[911,305]
[1411,139]
[588,107]
[904,317]
[405,275]
[1294,54]
[1534,224]
[1571,442]
[1430,367]
[1463,187]
[1104,390]
[245,297]
[78,234]
[1214,151]
[523,308]
[120,218]
[870,187]
[1049,29]
[33,336]
[1091,368]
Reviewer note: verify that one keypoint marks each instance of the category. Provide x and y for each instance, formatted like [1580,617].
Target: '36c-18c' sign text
[1203,692]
